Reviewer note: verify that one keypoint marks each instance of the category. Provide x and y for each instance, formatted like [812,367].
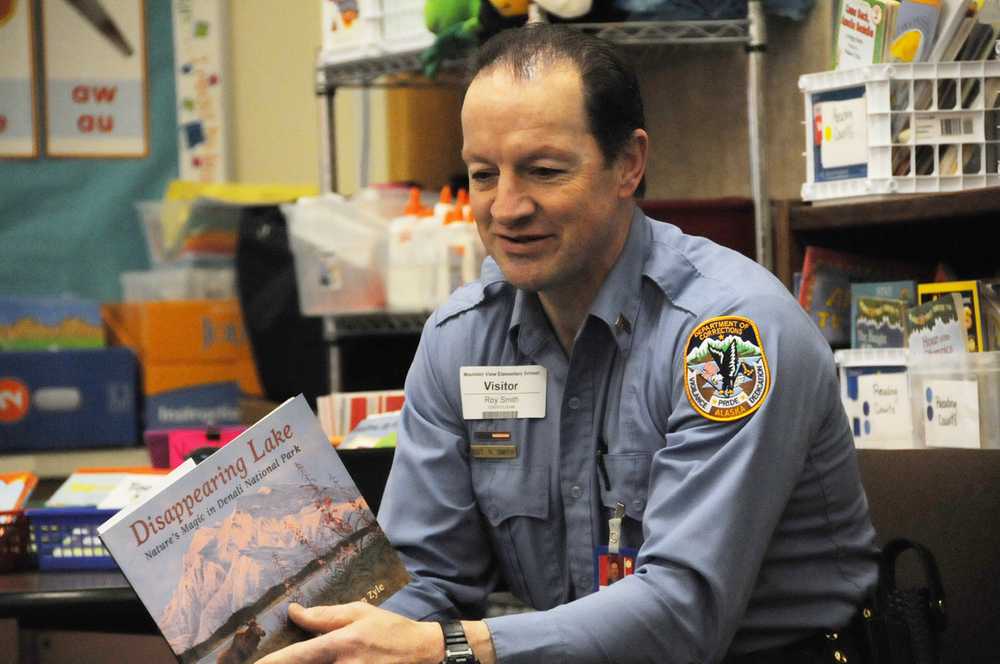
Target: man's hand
[359,632]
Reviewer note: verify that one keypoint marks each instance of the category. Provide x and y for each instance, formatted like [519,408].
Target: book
[270,518]
[892,290]
[880,323]
[825,293]
[88,487]
[864,31]
[916,26]
[954,15]
[971,318]
[15,489]
[934,327]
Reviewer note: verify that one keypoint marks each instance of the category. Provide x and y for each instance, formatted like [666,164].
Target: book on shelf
[970,308]
[905,291]
[269,519]
[934,327]
[880,323]
[863,33]
[916,26]
[825,292]
[15,489]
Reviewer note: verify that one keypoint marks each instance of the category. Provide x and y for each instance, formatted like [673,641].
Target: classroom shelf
[59,464]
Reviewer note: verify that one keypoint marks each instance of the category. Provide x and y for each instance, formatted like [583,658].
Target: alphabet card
[95,78]
[18,112]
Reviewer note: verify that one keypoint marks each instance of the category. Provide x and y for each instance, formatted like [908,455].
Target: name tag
[483,451]
[490,393]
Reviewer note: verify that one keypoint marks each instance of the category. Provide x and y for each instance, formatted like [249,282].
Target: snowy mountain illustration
[703,354]
[273,533]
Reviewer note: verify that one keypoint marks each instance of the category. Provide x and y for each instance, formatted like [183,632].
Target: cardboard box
[196,359]
[49,323]
[68,399]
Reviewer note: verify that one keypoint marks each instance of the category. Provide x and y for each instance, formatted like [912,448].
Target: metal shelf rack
[397,70]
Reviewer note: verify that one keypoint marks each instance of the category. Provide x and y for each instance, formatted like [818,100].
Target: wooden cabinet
[958,228]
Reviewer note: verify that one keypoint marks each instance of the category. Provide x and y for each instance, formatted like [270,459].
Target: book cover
[893,290]
[916,26]
[825,293]
[863,30]
[840,134]
[270,518]
[934,327]
[971,318]
[880,323]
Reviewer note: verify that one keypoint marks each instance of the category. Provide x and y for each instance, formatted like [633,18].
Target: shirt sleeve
[716,493]
[429,510]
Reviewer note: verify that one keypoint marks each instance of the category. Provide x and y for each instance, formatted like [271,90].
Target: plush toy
[463,24]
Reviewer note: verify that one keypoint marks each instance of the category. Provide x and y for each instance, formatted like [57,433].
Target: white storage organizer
[901,129]
[359,29]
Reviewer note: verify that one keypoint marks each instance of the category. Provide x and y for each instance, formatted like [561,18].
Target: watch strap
[456,645]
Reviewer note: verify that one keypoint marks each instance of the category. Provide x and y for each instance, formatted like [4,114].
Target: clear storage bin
[956,399]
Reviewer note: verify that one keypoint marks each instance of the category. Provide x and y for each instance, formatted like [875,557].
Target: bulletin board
[68,225]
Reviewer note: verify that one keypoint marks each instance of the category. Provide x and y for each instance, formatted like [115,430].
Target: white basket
[938,122]
[348,37]
[381,27]
[403,26]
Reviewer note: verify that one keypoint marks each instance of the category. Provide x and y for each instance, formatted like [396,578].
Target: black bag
[904,626]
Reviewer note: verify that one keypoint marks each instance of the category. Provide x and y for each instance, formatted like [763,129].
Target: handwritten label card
[886,419]
[95,71]
[844,129]
[18,125]
[951,413]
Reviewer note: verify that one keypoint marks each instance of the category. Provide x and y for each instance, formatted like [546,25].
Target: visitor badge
[490,393]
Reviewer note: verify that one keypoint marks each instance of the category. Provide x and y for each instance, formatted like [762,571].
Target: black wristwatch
[456,646]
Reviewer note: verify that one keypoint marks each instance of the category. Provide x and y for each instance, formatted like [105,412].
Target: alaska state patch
[725,371]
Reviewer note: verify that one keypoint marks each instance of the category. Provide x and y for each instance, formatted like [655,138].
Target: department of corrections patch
[725,370]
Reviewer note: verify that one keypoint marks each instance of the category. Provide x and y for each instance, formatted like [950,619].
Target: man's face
[540,190]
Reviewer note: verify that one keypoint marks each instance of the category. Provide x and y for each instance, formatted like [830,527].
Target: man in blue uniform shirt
[610,385]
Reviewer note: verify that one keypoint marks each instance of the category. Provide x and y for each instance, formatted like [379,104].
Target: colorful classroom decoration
[18,110]
[95,78]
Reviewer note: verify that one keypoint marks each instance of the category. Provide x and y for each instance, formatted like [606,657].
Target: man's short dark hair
[611,97]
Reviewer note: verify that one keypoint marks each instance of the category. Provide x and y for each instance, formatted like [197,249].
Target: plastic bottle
[405,277]
[461,251]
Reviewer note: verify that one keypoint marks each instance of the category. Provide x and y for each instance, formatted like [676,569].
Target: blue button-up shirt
[751,533]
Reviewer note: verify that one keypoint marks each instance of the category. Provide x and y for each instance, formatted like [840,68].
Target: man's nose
[511,201]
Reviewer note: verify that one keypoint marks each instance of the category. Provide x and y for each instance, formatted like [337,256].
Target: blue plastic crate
[66,538]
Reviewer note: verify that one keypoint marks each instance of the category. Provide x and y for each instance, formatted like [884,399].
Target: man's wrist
[456,645]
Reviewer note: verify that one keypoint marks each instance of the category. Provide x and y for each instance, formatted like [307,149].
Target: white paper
[886,419]
[503,392]
[845,132]
[951,413]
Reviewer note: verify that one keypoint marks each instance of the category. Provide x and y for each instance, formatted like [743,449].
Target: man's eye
[543,172]
[481,176]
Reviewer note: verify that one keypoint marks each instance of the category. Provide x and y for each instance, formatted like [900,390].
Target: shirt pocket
[515,501]
[628,474]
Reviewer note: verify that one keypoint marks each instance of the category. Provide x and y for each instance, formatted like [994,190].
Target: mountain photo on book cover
[279,520]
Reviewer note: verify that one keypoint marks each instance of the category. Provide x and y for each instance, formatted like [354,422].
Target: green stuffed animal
[461,25]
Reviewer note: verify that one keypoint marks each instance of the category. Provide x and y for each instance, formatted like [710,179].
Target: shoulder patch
[725,371]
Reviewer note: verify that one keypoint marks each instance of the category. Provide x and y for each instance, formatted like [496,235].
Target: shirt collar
[616,304]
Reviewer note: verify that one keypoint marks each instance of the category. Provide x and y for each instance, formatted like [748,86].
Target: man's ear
[632,162]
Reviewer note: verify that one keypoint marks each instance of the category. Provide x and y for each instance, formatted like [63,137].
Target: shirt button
[492,513]
[583,580]
[574,403]
[638,504]
[576,491]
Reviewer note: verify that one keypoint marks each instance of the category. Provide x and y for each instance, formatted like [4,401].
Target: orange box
[179,331]
[195,355]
